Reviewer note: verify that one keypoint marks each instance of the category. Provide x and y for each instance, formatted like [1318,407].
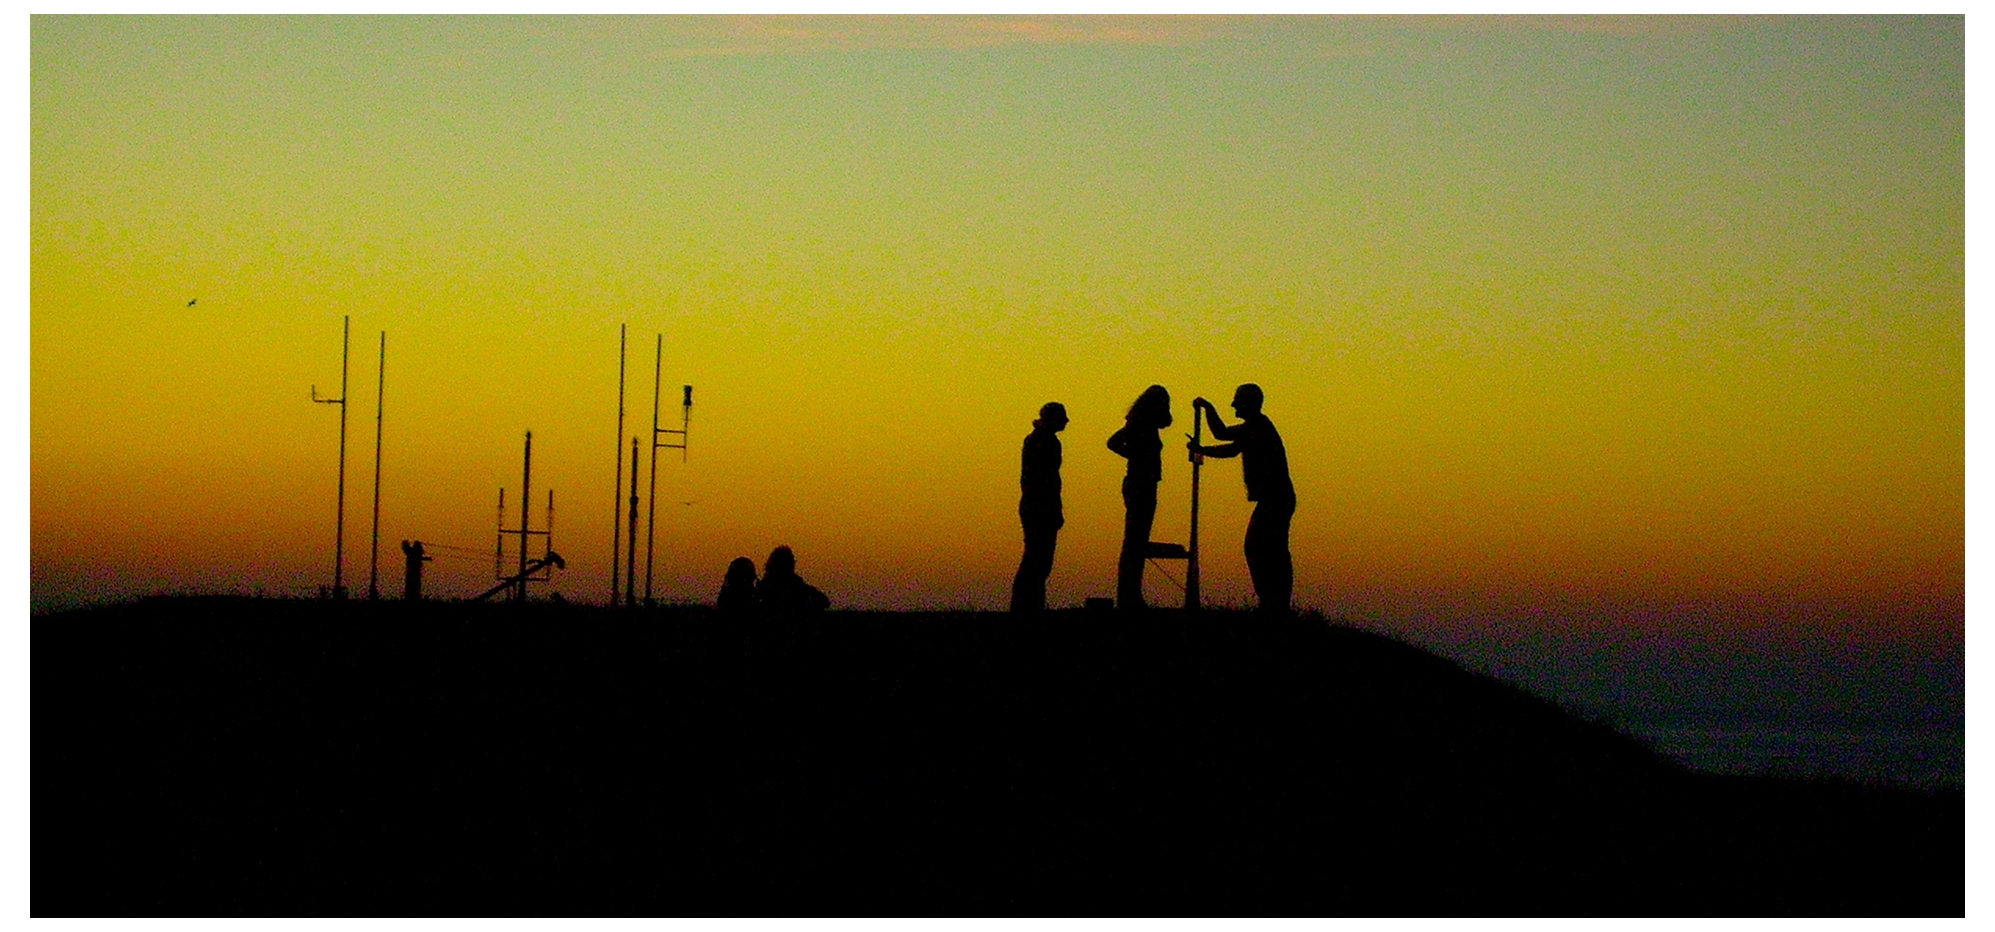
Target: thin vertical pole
[339,523]
[381,383]
[499,542]
[630,572]
[1191,566]
[616,491]
[526,511]
[685,423]
[651,522]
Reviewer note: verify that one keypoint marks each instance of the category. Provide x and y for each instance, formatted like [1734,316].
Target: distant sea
[1878,712]
[1921,756]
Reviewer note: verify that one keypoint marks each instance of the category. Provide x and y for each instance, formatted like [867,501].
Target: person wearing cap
[1264,465]
[1039,507]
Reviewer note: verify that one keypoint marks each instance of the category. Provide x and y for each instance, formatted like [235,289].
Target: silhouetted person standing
[1264,465]
[782,590]
[1039,507]
[1139,443]
[737,589]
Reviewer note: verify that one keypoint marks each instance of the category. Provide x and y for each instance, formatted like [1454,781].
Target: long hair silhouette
[1138,443]
[1151,409]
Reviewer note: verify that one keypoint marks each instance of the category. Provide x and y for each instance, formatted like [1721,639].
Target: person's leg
[1045,566]
[1020,592]
[1281,563]
[1268,561]
[1028,587]
[1140,501]
[1257,566]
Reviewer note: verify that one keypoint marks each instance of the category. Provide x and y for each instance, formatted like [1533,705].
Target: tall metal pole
[339,521]
[339,524]
[526,510]
[651,522]
[630,571]
[381,383]
[1191,563]
[685,423]
[616,511]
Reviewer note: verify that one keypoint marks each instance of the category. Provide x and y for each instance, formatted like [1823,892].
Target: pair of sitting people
[779,590]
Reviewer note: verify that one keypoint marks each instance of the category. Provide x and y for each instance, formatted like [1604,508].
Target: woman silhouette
[737,589]
[1139,443]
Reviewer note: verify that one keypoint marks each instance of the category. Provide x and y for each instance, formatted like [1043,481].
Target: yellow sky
[1601,315]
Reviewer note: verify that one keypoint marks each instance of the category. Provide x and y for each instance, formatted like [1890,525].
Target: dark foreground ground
[219,756]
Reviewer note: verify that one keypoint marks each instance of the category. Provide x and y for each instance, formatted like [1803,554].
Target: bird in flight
[190,301]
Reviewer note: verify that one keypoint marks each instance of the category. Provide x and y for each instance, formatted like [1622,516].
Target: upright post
[1191,563]
[381,382]
[526,510]
[616,491]
[630,570]
[685,422]
[339,521]
[651,521]
[499,540]
[339,524]
[412,570]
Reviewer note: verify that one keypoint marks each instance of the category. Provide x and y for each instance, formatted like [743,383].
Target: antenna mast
[538,571]
[685,422]
[381,383]
[630,568]
[339,522]
[616,491]
[526,509]
[1191,559]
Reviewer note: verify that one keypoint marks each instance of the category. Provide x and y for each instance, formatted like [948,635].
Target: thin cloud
[772,35]
[1627,27]
[1321,35]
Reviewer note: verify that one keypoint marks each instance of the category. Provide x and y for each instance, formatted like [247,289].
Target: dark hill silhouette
[225,756]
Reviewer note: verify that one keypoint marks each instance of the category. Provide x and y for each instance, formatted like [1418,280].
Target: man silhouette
[1264,465]
[1039,507]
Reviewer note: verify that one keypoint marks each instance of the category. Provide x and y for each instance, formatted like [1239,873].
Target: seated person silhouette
[782,590]
[737,590]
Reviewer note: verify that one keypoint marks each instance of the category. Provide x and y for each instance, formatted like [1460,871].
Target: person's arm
[1219,429]
[1119,442]
[1222,451]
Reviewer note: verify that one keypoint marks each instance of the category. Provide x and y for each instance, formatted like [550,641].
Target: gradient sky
[1566,322]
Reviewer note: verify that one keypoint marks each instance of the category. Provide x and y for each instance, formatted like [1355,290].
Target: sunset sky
[1564,321]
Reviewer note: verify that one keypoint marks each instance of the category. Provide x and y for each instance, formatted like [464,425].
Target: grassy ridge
[222,756]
